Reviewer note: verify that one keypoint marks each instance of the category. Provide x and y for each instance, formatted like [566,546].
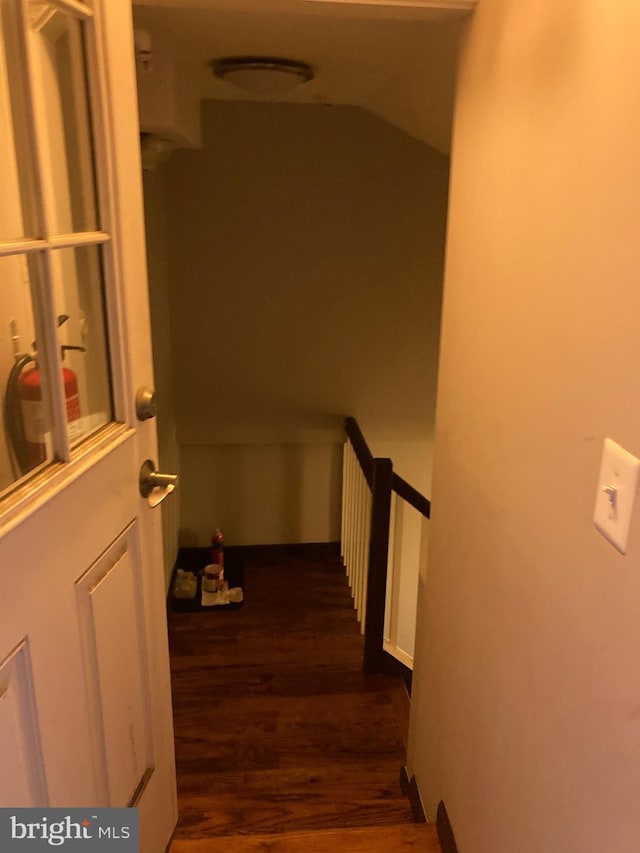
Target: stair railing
[368,483]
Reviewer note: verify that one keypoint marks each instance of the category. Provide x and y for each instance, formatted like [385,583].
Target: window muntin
[53,256]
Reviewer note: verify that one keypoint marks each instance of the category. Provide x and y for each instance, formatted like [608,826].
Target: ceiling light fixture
[262,75]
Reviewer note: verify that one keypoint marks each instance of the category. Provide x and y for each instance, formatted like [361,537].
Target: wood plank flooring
[278,731]
[415,837]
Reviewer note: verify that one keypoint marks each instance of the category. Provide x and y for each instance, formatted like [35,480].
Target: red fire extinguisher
[34,418]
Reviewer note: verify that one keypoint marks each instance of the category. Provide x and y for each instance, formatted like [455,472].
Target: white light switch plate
[617,486]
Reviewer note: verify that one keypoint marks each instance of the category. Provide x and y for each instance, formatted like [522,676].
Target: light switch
[617,486]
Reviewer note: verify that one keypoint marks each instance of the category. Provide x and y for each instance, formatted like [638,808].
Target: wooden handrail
[361,449]
[381,481]
[411,496]
[365,459]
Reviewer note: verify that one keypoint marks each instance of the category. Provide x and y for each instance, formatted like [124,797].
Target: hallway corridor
[277,729]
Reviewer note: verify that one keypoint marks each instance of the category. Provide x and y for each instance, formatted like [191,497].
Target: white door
[85,711]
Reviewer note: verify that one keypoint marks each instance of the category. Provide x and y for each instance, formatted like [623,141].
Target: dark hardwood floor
[277,728]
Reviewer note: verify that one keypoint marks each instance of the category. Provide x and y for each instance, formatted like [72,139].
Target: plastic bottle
[217,555]
[217,548]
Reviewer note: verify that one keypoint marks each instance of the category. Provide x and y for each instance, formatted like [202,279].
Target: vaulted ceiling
[395,58]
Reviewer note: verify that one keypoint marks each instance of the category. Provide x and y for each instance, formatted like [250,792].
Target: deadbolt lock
[146,404]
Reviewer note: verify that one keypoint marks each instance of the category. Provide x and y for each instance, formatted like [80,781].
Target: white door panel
[119,668]
[22,778]
[112,613]
[85,711]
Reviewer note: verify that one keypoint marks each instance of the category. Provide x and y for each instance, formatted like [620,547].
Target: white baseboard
[399,654]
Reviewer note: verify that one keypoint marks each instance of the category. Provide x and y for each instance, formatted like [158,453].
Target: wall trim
[376,5]
[289,549]
[445,831]
[392,666]
[399,654]
[324,550]
[410,789]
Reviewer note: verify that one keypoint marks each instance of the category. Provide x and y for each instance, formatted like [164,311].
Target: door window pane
[80,304]
[25,435]
[17,217]
[60,50]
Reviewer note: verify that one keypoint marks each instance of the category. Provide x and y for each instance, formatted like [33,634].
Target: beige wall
[155,204]
[306,248]
[527,705]
[262,493]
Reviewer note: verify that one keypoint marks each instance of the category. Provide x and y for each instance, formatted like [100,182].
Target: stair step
[375,839]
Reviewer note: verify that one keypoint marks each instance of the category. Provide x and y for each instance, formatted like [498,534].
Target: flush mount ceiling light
[262,75]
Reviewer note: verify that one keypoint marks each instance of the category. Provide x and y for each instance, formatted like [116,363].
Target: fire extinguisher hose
[13,425]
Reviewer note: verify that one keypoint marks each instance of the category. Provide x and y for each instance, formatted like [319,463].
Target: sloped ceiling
[395,58]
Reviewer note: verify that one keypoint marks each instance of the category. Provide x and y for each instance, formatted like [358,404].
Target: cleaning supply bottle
[217,554]
[217,548]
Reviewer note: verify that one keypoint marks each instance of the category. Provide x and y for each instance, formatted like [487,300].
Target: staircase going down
[283,743]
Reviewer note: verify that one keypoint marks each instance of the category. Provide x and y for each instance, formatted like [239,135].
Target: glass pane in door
[58,39]
[17,216]
[80,305]
[25,441]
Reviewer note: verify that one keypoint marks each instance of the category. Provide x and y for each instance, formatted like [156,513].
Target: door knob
[155,486]
[146,403]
